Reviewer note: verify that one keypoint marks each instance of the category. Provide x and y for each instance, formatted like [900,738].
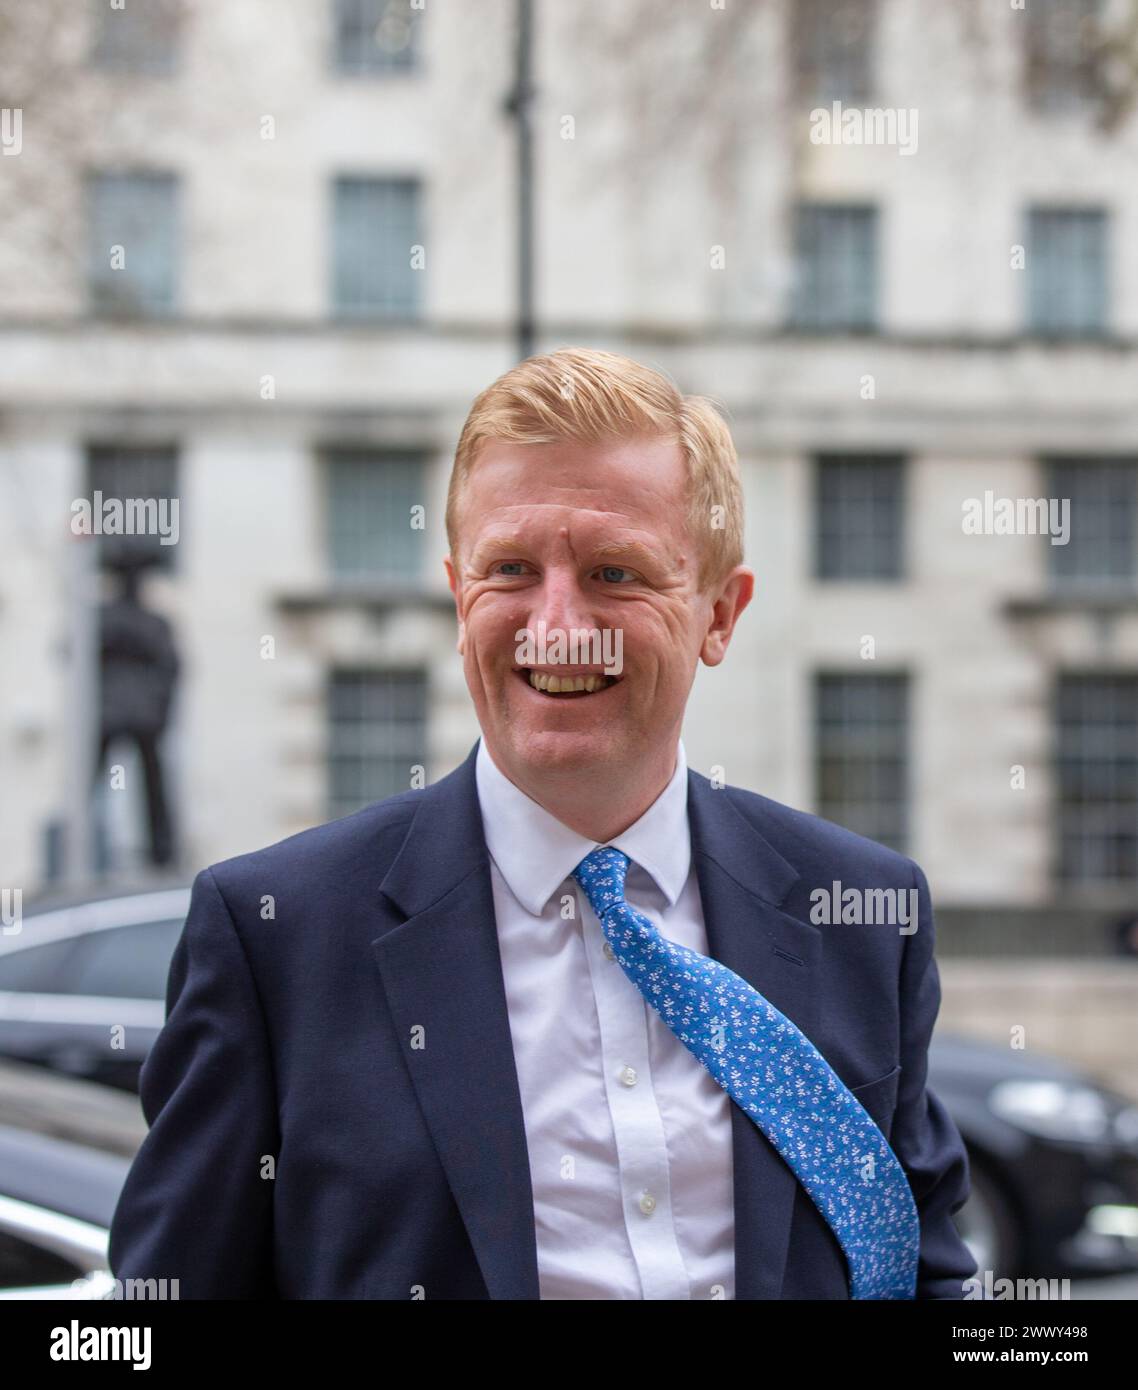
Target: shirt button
[628,1076]
[648,1204]
[610,954]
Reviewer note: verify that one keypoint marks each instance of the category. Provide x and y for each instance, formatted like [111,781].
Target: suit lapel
[442,975]
[742,879]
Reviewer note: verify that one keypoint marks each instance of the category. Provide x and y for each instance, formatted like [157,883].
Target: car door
[82,989]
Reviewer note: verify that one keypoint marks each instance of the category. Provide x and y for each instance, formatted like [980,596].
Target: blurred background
[257,257]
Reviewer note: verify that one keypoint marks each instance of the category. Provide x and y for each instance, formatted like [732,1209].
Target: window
[836,268]
[375,36]
[862,734]
[858,516]
[1100,551]
[133,221]
[125,473]
[374,235]
[1060,65]
[127,962]
[46,969]
[139,37]
[833,51]
[26,1265]
[1066,271]
[377,735]
[1098,778]
[370,497]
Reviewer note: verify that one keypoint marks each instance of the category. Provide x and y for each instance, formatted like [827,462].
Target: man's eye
[610,574]
[510,568]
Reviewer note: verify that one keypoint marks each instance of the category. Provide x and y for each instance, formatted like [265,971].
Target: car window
[24,1265]
[42,969]
[127,962]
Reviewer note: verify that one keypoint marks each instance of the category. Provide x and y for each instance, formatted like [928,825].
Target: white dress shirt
[629,1136]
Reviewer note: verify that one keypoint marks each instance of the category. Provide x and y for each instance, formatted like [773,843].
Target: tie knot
[601,874]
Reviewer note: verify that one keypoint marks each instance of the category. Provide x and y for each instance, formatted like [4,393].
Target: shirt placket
[638,1127]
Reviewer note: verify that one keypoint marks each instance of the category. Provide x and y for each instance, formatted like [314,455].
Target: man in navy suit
[401,1059]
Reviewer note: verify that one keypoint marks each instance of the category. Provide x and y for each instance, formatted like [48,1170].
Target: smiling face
[584,536]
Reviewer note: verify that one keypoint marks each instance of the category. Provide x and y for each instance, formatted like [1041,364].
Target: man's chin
[551,749]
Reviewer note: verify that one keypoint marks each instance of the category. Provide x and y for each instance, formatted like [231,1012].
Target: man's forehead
[512,498]
[548,521]
[655,450]
[550,513]
[624,469]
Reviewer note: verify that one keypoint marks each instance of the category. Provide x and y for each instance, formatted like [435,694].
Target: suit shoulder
[325,854]
[801,837]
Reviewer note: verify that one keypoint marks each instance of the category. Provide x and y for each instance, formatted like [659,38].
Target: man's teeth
[563,685]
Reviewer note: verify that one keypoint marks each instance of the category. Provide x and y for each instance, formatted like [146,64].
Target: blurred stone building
[261,257]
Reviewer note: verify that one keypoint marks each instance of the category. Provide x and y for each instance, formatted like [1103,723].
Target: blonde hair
[588,395]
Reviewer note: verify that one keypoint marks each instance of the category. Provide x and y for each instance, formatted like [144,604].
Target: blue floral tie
[779,1078]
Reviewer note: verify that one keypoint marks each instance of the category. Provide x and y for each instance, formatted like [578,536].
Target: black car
[83,983]
[1053,1154]
[65,1149]
[1053,1158]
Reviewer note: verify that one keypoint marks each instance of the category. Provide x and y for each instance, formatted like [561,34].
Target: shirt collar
[535,853]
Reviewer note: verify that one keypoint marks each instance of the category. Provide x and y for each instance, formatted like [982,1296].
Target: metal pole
[520,105]
[79,856]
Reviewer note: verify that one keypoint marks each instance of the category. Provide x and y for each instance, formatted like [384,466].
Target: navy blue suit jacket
[333,1104]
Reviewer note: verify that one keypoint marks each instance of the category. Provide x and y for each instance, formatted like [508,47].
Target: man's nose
[562,602]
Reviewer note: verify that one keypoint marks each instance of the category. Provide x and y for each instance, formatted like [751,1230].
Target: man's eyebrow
[513,543]
[502,543]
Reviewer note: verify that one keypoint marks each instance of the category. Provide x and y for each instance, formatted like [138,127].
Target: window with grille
[833,51]
[371,494]
[861,754]
[375,36]
[377,735]
[138,37]
[133,228]
[375,228]
[128,471]
[858,516]
[1067,271]
[1061,65]
[835,268]
[1097,778]
[1103,497]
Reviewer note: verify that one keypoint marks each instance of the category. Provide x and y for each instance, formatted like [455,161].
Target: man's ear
[734,593]
[453,581]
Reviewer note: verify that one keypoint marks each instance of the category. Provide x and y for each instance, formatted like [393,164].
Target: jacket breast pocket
[879,1099]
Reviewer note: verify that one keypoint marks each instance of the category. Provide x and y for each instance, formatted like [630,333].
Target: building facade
[269,261]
